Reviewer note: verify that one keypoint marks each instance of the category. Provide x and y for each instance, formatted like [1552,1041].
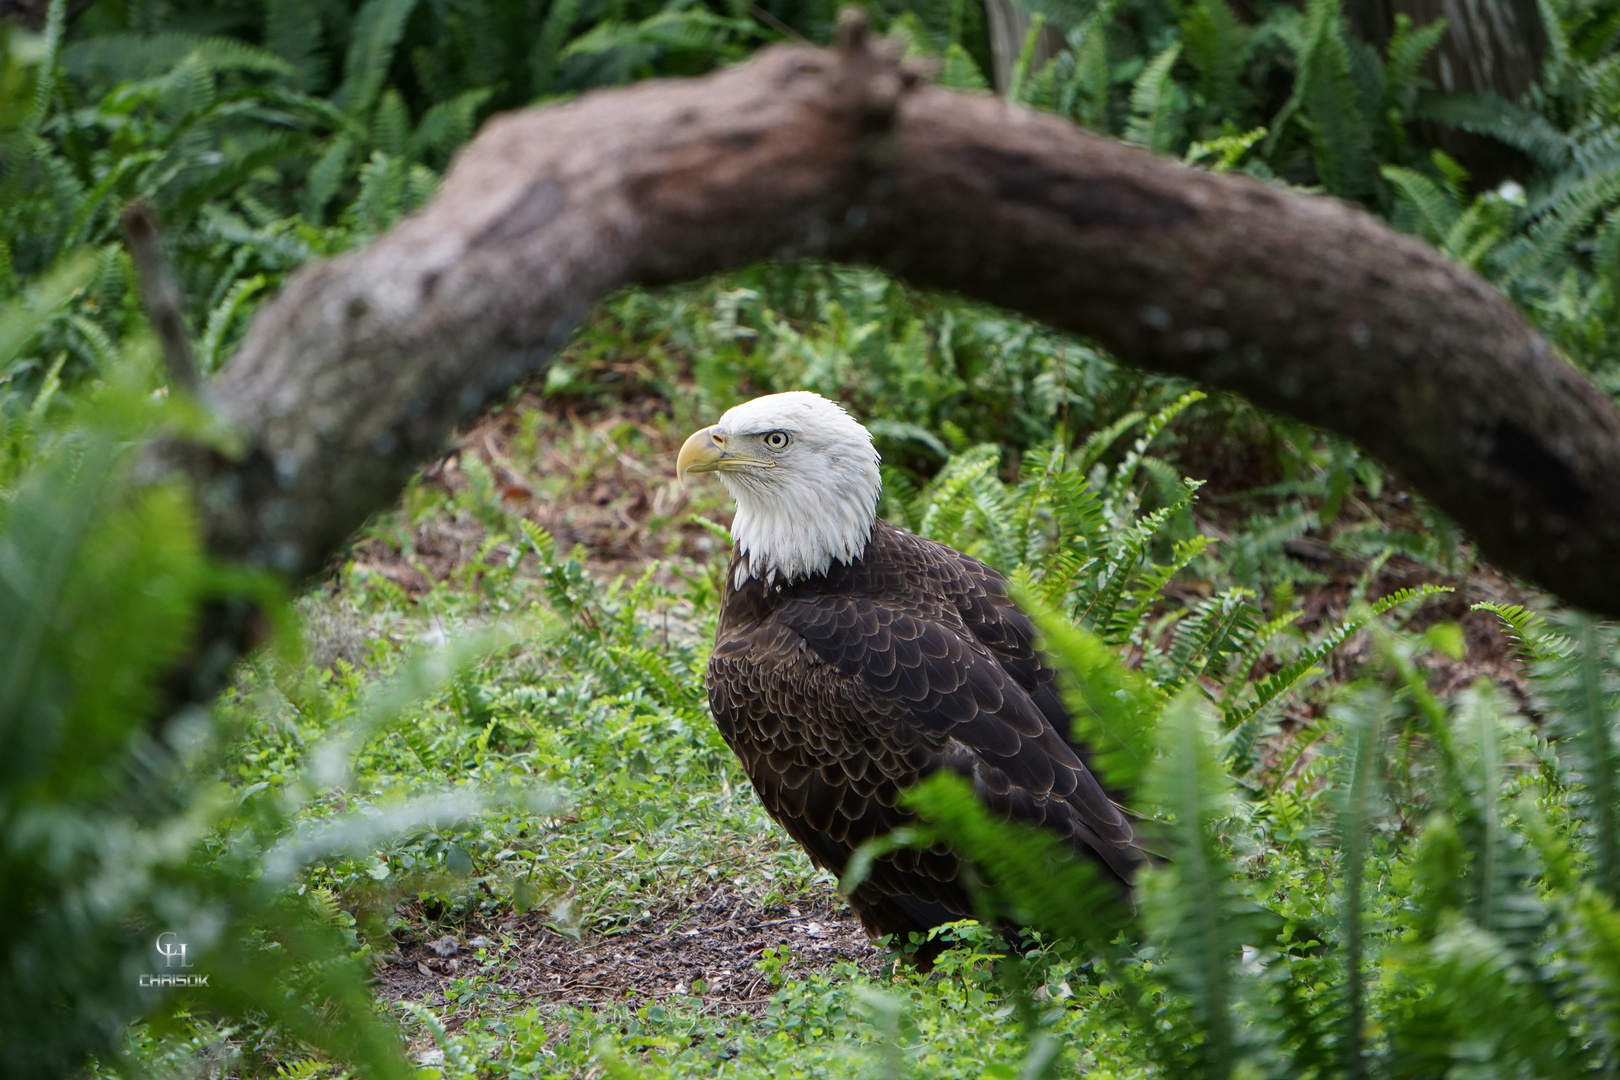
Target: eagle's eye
[776,440]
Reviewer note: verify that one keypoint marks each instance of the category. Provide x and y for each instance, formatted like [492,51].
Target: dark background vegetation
[465,812]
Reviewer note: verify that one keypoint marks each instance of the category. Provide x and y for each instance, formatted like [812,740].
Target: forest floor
[709,950]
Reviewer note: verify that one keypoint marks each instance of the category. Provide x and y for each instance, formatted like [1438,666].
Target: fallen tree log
[364,364]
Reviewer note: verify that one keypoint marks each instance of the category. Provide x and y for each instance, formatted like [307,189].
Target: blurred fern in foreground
[113,827]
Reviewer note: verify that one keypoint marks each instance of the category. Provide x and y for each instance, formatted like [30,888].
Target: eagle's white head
[805,478]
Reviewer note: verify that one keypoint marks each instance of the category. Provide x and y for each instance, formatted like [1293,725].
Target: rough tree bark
[1009,25]
[360,369]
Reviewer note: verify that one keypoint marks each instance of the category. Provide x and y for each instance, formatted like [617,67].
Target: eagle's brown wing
[836,703]
[980,595]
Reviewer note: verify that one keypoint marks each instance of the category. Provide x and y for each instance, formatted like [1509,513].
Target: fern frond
[1037,879]
[237,171]
[1333,105]
[1154,104]
[1260,640]
[1407,50]
[381,200]
[1100,605]
[123,57]
[1581,692]
[1190,904]
[1089,88]
[99,349]
[1529,631]
[327,174]
[1243,720]
[292,31]
[49,63]
[22,319]
[375,34]
[1475,234]
[1026,55]
[1149,586]
[1208,639]
[1433,206]
[1113,495]
[959,72]
[1505,890]
[951,495]
[1098,442]
[1598,923]
[212,353]
[1358,796]
[1217,45]
[548,45]
[1515,125]
[448,123]
[128,174]
[390,124]
[1553,232]
[1114,709]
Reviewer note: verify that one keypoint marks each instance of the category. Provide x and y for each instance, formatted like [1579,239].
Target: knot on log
[875,76]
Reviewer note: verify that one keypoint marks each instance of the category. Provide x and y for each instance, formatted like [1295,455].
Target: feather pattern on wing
[841,689]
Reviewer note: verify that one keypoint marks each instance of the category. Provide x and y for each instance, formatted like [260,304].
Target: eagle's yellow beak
[703,452]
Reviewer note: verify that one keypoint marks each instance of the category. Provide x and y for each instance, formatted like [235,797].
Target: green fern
[1217,45]
[212,353]
[293,31]
[959,71]
[1332,105]
[1359,798]
[1190,902]
[447,124]
[1434,207]
[1407,50]
[1114,495]
[1530,632]
[1154,104]
[1206,641]
[1516,125]
[1086,96]
[1115,710]
[1246,720]
[1018,83]
[1581,693]
[377,30]
[1569,211]
[141,56]
[548,44]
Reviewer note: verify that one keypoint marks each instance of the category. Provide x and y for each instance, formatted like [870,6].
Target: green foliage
[1360,880]
[1323,108]
[112,831]
[1076,533]
[1487,926]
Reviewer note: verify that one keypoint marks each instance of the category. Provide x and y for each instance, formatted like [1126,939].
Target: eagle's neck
[783,536]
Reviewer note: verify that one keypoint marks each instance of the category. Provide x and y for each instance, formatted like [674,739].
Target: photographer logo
[175,954]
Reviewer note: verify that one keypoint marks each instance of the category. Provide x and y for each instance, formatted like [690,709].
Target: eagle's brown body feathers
[842,689]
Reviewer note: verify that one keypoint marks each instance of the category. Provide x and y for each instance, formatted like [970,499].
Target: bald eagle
[854,658]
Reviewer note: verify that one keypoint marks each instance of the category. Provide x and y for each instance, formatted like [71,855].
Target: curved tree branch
[1307,306]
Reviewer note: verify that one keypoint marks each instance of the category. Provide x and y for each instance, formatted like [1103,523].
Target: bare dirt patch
[707,950]
[602,479]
